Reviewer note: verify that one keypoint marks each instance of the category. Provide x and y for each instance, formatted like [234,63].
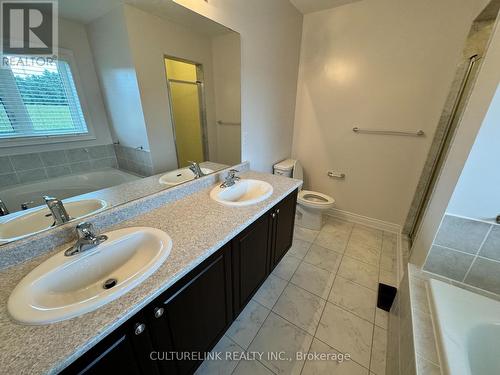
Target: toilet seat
[314,199]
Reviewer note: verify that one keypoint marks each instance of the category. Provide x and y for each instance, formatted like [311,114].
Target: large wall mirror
[144,95]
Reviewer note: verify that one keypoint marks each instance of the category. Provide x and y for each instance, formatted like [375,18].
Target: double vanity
[170,279]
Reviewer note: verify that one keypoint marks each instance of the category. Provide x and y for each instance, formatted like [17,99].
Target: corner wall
[109,40]
[270,46]
[384,64]
[226,54]
[171,39]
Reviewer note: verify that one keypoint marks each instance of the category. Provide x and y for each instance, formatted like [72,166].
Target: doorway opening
[188,111]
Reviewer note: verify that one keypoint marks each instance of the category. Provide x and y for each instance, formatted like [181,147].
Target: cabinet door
[197,314]
[125,351]
[251,255]
[283,227]
[140,331]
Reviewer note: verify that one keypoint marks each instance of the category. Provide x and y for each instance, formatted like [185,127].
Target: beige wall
[270,44]
[165,38]
[112,56]
[375,64]
[226,52]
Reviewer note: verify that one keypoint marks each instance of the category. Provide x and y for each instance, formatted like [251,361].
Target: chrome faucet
[57,209]
[230,179]
[3,208]
[195,168]
[87,239]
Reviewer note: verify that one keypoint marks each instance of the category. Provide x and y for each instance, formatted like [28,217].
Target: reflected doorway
[187,104]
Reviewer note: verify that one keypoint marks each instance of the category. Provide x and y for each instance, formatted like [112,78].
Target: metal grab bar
[228,123]
[417,133]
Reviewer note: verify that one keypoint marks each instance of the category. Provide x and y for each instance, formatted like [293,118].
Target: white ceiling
[85,11]
[171,11]
[309,6]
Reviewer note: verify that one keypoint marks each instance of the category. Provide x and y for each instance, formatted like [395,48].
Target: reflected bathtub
[63,187]
[467,328]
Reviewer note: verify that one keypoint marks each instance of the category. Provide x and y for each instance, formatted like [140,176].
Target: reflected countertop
[141,187]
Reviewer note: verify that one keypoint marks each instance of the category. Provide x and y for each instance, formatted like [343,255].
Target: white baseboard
[364,220]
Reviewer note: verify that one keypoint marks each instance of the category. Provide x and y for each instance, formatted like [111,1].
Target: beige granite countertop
[198,226]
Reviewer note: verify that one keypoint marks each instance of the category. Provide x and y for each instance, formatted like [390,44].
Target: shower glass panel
[185,87]
[465,78]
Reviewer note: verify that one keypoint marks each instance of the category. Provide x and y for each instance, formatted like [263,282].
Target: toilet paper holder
[334,174]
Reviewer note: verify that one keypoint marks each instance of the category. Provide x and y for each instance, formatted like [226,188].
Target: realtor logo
[29,27]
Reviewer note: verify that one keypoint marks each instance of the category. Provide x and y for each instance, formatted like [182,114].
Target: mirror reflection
[113,118]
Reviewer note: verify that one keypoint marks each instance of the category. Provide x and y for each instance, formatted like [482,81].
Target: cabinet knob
[273,215]
[278,211]
[139,328]
[158,312]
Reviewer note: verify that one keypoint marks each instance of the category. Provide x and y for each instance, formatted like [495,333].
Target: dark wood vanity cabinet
[259,248]
[125,351]
[192,315]
[283,220]
[251,255]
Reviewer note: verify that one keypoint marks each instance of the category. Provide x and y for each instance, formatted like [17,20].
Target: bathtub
[63,187]
[467,328]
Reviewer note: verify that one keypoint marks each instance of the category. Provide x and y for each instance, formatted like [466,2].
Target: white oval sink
[35,220]
[180,175]
[243,193]
[63,286]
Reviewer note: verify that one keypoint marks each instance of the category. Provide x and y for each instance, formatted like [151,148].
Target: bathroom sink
[244,192]
[24,223]
[63,286]
[180,175]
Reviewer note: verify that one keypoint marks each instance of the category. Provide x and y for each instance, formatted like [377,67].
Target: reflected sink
[244,192]
[180,175]
[24,223]
[63,287]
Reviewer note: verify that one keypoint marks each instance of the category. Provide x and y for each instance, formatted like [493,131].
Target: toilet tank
[289,168]
[284,167]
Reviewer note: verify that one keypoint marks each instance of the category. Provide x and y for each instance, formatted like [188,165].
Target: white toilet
[310,204]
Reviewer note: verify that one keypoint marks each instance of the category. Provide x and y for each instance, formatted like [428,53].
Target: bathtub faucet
[57,209]
[3,209]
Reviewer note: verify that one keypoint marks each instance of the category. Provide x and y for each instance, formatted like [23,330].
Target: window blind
[39,101]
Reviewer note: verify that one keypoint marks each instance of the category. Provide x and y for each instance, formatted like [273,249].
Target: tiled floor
[321,299]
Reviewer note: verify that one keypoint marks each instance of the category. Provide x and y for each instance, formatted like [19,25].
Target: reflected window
[39,101]
[5,124]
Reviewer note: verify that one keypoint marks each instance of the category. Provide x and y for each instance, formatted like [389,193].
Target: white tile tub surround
[467,251]
[467,330]
[412,348]
[66,187]
[412,345]
[319,300]
[136,160]
[30,167]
